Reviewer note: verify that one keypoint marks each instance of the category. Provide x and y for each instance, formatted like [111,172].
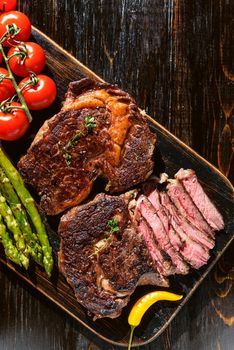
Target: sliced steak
[114,243]
[153,220]
[104,268]
[195,253]
[175,240]
[160,258]
[192,231]
[200,198]
[187,208]
[99,132]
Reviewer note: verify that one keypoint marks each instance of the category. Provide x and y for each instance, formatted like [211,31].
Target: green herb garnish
[113,225]
[88,125]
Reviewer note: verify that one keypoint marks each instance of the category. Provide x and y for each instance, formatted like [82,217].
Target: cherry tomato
[13,124]
[7,5]
[7,89]
[40,96]
[21,20]
[35,59]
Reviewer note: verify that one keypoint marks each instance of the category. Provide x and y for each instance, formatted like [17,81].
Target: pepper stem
[131,337]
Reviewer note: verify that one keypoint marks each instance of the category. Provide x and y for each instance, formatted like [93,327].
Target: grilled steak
[160,258]
[200,198]
[192,249]
[99,132]
[104,267]
[174,238]
[187,207]
[155,235]
[150,215]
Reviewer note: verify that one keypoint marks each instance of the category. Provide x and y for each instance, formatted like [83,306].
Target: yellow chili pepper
[143,304]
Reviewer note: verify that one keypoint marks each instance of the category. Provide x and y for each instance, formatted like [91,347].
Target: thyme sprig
[88,125]
[113,226]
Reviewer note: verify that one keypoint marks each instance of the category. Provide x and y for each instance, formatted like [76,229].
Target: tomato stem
[1,79]
[22,54]
[13,97]
[17,89]
[6,109]
[12,31]
[4,76]
[31,82]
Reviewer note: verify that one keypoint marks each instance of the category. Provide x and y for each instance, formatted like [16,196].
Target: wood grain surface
[176,58]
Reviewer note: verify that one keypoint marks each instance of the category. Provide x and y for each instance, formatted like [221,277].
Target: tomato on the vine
[32,59]
[7,5]
[7,89]
[13,124]
[40,96]
[21,21]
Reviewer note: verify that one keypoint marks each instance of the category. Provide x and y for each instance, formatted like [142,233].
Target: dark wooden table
[176,58]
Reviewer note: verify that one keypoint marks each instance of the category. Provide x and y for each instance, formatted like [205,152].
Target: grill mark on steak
[134,155]
[187,208]
[193,252]
[119,261]
[120,147]
[103,281]
[154,241]
[200,198]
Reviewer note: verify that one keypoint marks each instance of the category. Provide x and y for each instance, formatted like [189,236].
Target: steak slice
[187,208]
[99,132]
[191,249]
[200,198]
[112,244]
[174,238]
[104,267]
[153,220]
[160,258]
[191,230]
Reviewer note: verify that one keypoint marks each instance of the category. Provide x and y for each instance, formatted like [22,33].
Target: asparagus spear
[13,226]
[21,217]
[31,208]
[10,250]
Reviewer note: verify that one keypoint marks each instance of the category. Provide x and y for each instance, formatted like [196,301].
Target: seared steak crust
[157,236]
[124,261]
[103,278]
[119,147]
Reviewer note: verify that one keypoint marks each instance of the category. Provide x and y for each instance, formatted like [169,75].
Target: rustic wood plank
[175,154]
[176,57]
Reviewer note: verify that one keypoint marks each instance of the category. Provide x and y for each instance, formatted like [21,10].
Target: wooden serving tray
[171,154]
